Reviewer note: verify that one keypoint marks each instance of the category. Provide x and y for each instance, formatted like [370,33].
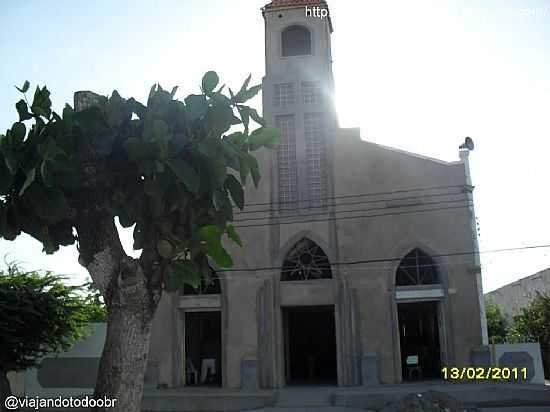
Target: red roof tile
[275,4]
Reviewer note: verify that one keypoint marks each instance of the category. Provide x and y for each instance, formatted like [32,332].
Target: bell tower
[298,91]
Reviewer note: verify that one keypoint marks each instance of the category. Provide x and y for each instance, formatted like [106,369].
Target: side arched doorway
[308,316]
[202,338]
[420,299]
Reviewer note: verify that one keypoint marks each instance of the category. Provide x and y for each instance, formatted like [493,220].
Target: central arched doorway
[309,329]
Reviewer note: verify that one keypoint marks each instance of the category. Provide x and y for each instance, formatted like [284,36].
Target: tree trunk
[5,388]
[124,359]
[130,287]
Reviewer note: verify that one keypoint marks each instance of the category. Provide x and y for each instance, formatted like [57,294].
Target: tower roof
[285,4]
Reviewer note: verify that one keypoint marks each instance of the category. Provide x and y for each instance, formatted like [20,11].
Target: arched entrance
[419,299]
[202,332]
[308,316]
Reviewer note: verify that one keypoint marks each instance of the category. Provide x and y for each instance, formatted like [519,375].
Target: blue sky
[418,76]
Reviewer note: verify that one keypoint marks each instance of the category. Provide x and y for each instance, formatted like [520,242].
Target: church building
[358,264]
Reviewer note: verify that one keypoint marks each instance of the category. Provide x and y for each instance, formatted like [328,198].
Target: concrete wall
[519,294]
[252,326]
[361,167]
[72,372]
[521,355]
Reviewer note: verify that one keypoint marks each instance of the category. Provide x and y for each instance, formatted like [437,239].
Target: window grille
[417,268]
[316,159]
[311,92]
[286,157]
[306,261]
[284,94]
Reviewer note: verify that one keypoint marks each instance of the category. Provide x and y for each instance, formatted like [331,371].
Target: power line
[393,259]
[360,202]
[352,217]
[358,210]
[354,195]
[347,269]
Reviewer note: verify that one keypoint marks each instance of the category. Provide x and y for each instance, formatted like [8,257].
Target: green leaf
[103,143]
[245,117]
[160,130]
[246,95]
[219,199]
[117,112]
[219,98]
[68,116]
[22,110]
[6,177]
[219,172]
[233,235]
[25,87]
[12,160]
[232,155]
[236,190]
[209,81]
[210,147]
[48,203]
[210,233]
[45,173]
[244,87]
[254,169]
[138,237]
[28,181]
[90,120]
[220,256]
[18,131]
[185,173]
[256,117]
[152,93]
[137,108]
[269,137]
[124,219]
[196,106]
[180,273]
[221,118]
[244,169]
[237,138]
[135,149]
[42,104]
[165,248]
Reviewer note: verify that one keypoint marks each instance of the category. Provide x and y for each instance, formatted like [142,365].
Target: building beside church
[513,297]
[357,264]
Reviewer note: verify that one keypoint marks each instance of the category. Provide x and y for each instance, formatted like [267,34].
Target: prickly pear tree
[171,169]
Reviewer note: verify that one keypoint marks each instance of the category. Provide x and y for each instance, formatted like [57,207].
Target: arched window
[209,285]
[296,41]
[417,268]
[306,261]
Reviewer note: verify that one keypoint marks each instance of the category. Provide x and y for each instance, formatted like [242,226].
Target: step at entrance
[299,397]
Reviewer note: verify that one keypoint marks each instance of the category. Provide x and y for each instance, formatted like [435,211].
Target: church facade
[357,265]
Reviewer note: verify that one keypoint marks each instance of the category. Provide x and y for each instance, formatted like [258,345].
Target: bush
[533,325]
[39,315]
[496,324]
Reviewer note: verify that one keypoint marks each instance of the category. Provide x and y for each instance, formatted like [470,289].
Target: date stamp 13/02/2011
[484,374]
